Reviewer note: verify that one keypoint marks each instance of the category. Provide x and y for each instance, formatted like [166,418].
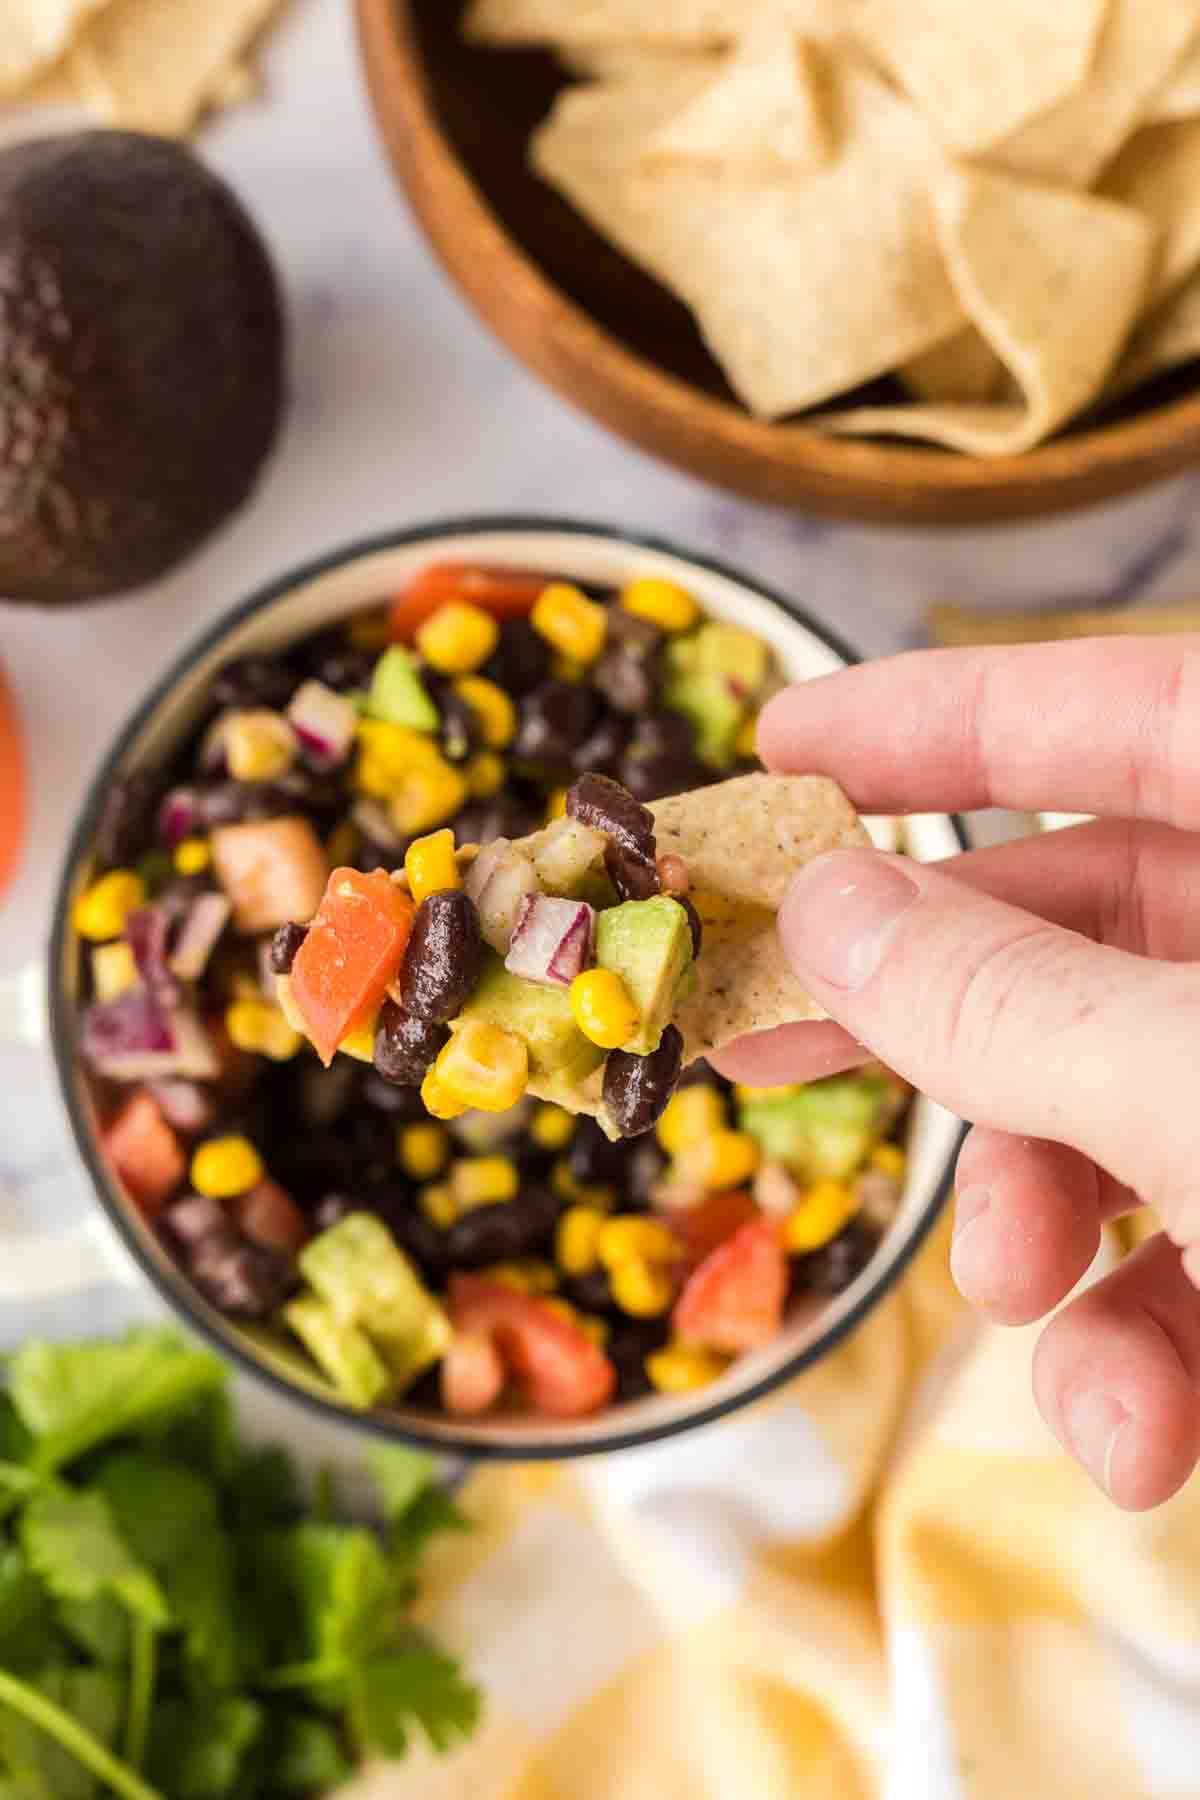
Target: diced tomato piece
[734,1300]
[273,871]
[505,593]
[472,1373]
[145,1152]
[269,1216]
[12,783]
[701,1228]
[354,948]
[560,1370]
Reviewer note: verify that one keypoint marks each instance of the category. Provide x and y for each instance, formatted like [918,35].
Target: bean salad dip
[401,976]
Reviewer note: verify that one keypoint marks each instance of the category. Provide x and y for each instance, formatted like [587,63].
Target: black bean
[694,925]
[664,733]
[628,1346]
[551,721]
[504,816]
[402,1105]
[654,777]
[637,1088]
[340,666]
[322,1095]
[254,681]
[628,682]
[121,829]
[699,1071]
[521,660]
[633,877]
[284,945]
[591,1292]
[601,750]
[606,806]
[177,897]
[645,1168]
[413,1232]
[248,1280]
[462,732]
[835,1265]
[195,1218]
[504,1231]
[332,1208]
[634,634]
[441,961]
[372,854]
[594,1159]
[405,1045]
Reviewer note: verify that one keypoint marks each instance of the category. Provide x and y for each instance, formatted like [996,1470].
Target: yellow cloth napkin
[885,1583]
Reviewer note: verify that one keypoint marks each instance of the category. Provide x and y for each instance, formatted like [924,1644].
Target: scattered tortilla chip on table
[1179,96]
[154,65]
[763,115]
[978,71]
[34,34]
[1054,281]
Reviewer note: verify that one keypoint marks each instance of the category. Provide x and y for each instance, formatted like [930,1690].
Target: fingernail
[1093,1422]
[839,914]
[968,1242]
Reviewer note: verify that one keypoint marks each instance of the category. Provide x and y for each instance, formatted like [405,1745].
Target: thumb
[1006,1019]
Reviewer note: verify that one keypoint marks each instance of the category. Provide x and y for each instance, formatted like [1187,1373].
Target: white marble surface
[404,409]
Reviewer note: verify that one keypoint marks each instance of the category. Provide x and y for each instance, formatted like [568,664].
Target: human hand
[1049,990]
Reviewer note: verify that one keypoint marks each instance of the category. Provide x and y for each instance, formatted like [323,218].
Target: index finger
[1101,725]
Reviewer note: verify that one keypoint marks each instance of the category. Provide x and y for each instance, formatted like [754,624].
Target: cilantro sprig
[174,1625]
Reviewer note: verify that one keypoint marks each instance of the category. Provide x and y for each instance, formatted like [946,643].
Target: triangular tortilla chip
[1140,43]
[637,62]
[794,310]
[34,34]
[1030,265]
[1179,96]
[980,70]
[963,368]
[1158,172]
[1169,337]
[154,65]
[697,23]
[764,115]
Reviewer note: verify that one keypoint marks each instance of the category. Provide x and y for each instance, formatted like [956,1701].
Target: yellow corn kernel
[680,1368]
[484,775]
[528,1275]
[422,1150]
[482,1066]
[602,1197]
[360,1043]
[341,846]
[574,625]
[592,1327]
[826,1209]
[373,776]
[746,741]
[640,1288]
[565,668]
[437,1100]
[425,797]
[398,746]
[225,1167]
[101,910]
[746,1096]
[725,1159]
[576,1239]
[692,1113]
[492,707]
[259,745]
[431,865]
[114,971]
[632,1237]
[370,630]
[603,1008]
[552,1127]
[286,1002]
[889,1159]
[438,1204]
[484,1180]
[192,856]
[257,1026]
[665,604]
[556,805]
[457,637]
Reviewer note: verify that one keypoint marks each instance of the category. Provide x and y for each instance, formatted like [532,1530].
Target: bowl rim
[62,1015]
[871,480]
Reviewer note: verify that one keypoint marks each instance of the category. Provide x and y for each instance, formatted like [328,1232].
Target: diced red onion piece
[484,867]
[213,743]
[136,1037]
[195,1218]
[203,924]
[147,930]
[324,721]
[179,816]
[552,943]
[511,883]
[184,1105]
[570,851]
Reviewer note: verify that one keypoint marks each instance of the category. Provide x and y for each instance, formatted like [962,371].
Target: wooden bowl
[456,121]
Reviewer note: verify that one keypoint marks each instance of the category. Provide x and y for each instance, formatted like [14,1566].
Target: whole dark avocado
[141,361]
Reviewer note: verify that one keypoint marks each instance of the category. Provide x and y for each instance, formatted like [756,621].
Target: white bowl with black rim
[319,595]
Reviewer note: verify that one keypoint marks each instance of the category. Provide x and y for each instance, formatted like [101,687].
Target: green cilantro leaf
[202,1434]
[198,1750]
[299,1755]
[73,1544]
[430,1514]
[414,1683]
[99,1627]
[262,1492]
[28,1635]
[329,1590]
[400,1475]
[73,1397]
[41,1767]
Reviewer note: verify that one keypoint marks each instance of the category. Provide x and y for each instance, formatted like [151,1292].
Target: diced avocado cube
[409,1356]
[825,1129]
[648,943]
[342,1351]
[712,677]
[364,1278]
[540,1015]
[397,693]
